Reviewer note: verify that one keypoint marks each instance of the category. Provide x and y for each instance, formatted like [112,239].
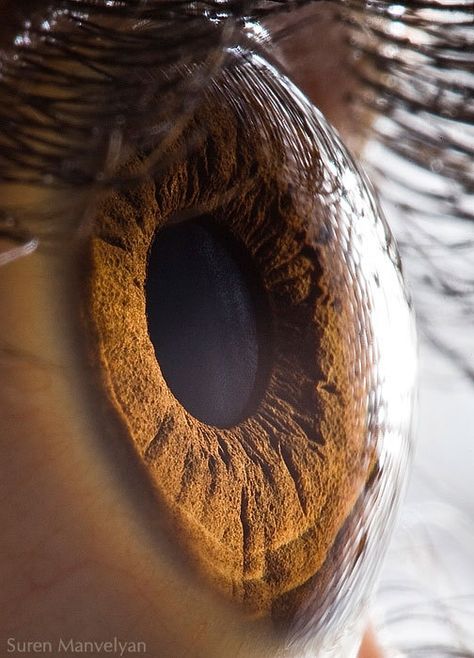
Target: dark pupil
[204,320]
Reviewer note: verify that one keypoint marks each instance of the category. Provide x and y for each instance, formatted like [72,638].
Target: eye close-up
[208,346]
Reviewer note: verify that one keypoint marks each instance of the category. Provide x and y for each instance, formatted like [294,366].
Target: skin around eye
[267,510]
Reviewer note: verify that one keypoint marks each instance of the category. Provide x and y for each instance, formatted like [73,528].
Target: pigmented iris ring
[257,505]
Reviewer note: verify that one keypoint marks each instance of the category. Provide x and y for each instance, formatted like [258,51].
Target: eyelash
[423,164]
[198,29]
[139,58]
[197,35]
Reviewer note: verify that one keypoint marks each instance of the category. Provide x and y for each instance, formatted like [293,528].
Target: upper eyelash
[115,63]
[97,92]
[192,38]
[424,92]
[152,9]
[434,79]
[118,66]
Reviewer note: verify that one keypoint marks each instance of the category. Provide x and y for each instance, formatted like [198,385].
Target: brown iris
[258,489]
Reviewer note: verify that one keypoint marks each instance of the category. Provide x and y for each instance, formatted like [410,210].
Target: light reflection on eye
[322,218]
[261,501]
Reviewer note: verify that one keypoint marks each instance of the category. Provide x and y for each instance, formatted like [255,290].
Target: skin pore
[81,547]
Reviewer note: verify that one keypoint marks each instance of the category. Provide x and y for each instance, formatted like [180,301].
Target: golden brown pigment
[257,507]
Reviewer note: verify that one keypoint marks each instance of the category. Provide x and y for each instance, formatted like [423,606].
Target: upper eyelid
[111,71]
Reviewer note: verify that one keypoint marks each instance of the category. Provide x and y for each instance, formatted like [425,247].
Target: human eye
[234,462]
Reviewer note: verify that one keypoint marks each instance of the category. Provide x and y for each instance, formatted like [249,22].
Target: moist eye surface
[206,320]
[268,510]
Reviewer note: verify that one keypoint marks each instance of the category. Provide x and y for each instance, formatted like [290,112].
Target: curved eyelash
[414,61]
[418,59]
[109,68]
[120,50]
[195,32]
[426,54]
[214,9]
